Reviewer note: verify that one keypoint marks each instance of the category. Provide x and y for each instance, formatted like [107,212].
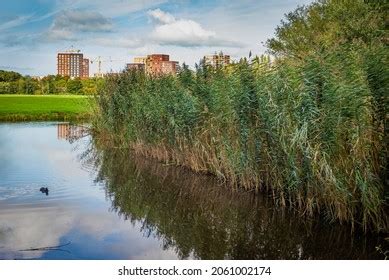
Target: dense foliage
[14,83]
[9,76]
[310,127]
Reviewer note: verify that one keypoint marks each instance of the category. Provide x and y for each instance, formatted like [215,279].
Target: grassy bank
[44,107]
[310,128]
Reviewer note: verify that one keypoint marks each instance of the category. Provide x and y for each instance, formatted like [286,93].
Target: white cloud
[84,21]
[45,228]
[52,226]
[117,42]
[14,22]
[56,35]
[112,8]
[161,16]
[194,31]
[184,32]
[21,20]
[69,24]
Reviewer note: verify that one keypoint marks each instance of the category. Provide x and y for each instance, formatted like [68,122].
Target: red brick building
[135,66]
[85,68]
[72,64]
[217,60]
[159,64]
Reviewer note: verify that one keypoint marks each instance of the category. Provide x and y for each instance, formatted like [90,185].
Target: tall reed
[311,131]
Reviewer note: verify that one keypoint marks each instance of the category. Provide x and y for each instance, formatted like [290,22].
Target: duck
[44,190]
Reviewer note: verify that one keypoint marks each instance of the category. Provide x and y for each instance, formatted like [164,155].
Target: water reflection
[196,217]
[71,132]
[106,203]
[75,213]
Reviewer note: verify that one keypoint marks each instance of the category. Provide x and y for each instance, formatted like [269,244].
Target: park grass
[44,107]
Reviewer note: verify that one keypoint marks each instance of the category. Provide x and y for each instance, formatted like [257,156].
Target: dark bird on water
[44,190]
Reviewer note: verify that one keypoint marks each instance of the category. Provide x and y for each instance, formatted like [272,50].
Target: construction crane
[98,60]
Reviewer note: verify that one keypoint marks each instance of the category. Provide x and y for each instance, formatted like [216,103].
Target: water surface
[63,198]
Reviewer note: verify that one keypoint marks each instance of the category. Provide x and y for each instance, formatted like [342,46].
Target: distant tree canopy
[74,86]
[9,76]
[327,24]
[14,83]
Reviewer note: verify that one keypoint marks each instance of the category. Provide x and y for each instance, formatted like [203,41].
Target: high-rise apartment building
[85,68]
[135,66]
[159,64]
[72,64]
[154,64]
[217,60]
[138,64]
[141,60]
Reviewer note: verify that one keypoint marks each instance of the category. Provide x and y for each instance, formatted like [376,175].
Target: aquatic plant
[309,127]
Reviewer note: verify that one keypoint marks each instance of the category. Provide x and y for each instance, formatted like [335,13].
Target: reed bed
[310,131]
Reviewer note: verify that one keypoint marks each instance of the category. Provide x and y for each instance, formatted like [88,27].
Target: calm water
[109,204]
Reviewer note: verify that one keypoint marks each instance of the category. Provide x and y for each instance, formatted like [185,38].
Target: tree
[74,86]
[4,87]
[328,24]
[47,84]
[9,76]
[89,86]
[60,86]
[30,86]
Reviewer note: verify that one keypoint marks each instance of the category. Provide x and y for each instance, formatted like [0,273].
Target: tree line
[14,83]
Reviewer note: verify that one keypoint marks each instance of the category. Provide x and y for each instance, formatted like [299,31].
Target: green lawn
[44,107]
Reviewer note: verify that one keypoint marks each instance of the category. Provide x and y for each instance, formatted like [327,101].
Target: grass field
[44,107]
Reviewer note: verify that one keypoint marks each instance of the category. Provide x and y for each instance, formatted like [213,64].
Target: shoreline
[170,159]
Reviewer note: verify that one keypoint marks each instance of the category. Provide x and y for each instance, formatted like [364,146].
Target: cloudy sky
[33,31]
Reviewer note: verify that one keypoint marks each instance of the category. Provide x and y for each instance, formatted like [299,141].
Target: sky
[33,31]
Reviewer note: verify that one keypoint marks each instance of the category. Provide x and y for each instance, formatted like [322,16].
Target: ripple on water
[16,190]
[24,193]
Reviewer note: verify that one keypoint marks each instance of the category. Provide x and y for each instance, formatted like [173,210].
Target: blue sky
[33,31]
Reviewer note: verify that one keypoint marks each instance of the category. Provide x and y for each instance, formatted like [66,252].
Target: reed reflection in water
[106,203]
[198,218]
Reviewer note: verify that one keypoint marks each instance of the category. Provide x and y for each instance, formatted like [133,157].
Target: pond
[64,197]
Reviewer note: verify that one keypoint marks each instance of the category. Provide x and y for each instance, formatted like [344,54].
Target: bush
[74,86]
